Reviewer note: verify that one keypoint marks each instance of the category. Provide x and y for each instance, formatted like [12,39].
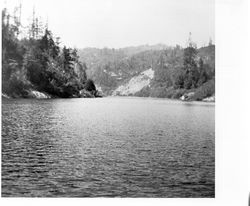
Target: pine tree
[191,74]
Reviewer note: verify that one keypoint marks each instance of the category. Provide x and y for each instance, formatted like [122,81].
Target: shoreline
[5,96]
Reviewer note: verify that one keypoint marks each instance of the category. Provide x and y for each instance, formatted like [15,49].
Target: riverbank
[34,94]
[205,92]
[41,95]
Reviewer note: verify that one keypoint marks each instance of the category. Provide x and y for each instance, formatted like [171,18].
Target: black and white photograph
[108,98]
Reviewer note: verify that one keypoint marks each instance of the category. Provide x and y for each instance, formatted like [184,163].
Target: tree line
[177,70]
[37,61]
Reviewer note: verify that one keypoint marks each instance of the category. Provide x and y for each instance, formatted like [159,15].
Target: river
[108,147]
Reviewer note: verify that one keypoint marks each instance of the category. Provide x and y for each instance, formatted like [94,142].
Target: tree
[12,53]
[89,85]
[189,77]
[190,67]
[203,76]
[38,62]
[48,45]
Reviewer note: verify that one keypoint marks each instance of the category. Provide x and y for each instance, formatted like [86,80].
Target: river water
[107,147]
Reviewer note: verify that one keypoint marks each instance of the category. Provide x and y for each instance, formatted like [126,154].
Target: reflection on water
[125,147]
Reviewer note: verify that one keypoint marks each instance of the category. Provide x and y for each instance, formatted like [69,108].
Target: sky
[122,23]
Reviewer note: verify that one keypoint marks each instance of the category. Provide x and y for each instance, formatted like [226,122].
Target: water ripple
[111,147]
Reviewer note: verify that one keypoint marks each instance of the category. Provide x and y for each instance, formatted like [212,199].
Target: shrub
[206,90]
[89,85]
[145,92]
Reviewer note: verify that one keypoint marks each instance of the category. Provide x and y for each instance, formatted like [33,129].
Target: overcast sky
[121,23]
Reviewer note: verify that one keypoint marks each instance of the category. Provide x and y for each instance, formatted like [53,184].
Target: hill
[114,69]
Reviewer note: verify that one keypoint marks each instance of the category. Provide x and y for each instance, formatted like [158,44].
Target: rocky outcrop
[80,71]
[5,96]
[191,96]
[90,94]
[86,94]
[33,94]
[209,99]
[37,95]
[99,94]
[136,84]
[187,96]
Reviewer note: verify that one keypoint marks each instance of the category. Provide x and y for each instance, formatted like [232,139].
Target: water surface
[108,147]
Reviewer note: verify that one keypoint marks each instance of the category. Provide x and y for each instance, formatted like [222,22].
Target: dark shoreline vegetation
[36,66]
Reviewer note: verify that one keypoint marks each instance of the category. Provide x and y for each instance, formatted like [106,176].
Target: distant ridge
[118,71]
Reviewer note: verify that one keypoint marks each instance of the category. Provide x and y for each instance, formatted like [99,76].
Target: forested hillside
[35,62]
[176,70]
